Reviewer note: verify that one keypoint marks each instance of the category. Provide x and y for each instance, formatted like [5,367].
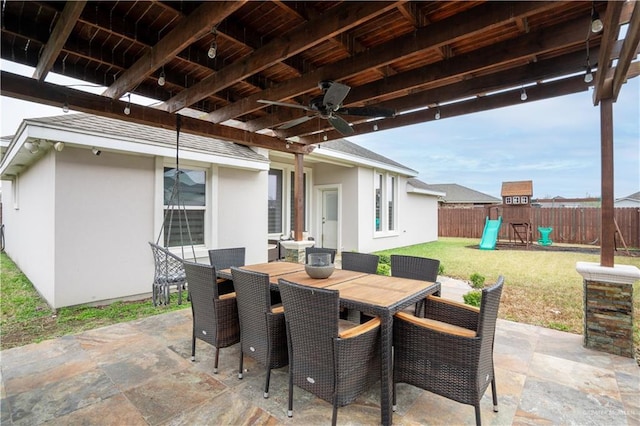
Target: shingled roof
[458,194]
[99,126]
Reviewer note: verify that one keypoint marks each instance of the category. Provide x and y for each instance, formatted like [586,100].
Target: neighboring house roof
[349,151]
[420,187]
[633,197]
[458,194]
[523,187]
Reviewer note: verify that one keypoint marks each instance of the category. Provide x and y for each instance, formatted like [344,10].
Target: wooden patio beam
[429,37]
[482,103]
[603,87]
[628,52]
[184,34]
[57,39]
[607,237]
[335,21]
[28,89]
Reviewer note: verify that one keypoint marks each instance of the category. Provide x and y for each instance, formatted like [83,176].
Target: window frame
[287,199]
[387,212]
[206,208]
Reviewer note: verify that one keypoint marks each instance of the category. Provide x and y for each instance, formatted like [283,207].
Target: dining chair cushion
[454,303]
[354,330]
[227,296]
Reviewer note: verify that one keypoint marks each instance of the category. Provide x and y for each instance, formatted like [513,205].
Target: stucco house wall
[82,222]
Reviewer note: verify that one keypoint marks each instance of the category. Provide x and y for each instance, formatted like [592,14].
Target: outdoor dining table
[377,295]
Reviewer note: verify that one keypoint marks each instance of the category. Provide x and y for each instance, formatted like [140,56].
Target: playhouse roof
[523,187]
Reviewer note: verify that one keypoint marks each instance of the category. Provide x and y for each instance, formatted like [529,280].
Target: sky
[555,143]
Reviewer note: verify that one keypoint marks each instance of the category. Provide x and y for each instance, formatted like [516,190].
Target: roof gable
[460,194]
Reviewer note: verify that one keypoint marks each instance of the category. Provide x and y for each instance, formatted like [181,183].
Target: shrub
[385,259]
[383,269]
[441,269]
[473,298]
[477,280]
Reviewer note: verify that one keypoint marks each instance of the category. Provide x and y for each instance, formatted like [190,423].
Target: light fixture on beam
[213,48]
[588,76]
[162,78]
[65,107]
[437,116]
[58,146]
[523,94]
[127,109]
[596,22]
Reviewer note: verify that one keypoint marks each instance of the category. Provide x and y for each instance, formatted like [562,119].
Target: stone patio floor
[140,373]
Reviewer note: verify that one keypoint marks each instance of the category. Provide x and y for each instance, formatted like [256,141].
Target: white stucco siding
[29,229]
[104,220]
[242,212]
[327,176]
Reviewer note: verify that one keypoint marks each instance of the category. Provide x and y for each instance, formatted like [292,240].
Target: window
[275,201]
[385,195]
[507,200]
[524,199]
[281,201]
[516,200]
[378,195]
[191,193]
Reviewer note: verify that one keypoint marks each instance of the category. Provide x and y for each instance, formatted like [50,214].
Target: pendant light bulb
[162,79]
[213,50]
[588,77]
[65,107]
[596,23]
[127,109]
[523,94]
[437,116]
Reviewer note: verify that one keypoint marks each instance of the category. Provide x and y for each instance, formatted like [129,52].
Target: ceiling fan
[329,106]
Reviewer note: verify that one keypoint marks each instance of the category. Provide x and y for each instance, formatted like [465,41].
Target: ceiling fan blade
[295,122]
[368,111]
[340,125]
[285,104]
[335,95]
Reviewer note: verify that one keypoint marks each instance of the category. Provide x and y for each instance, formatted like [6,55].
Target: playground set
[516,214]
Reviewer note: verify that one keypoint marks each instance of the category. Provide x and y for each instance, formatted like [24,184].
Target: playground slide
[490,234]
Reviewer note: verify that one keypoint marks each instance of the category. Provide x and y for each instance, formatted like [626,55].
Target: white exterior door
[329,220]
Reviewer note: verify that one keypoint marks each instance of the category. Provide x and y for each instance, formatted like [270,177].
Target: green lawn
[541,288]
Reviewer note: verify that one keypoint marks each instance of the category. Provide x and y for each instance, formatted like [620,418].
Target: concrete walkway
[140,373]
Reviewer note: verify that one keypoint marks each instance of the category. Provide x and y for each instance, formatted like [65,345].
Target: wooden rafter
[432,36]
[603,87]
[316,31]
[628,52]
[58,38]
[186,32]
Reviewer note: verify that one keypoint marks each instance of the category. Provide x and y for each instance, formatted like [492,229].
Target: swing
[169,268]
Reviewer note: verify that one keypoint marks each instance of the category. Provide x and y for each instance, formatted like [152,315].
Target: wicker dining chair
[168,271]
[225,258]
[450,352]
[309,250]
[359,262]
[263,334]
[415,268]
[215,314]
[328,359]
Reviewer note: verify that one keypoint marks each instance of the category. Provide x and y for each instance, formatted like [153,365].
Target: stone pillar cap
[618,274]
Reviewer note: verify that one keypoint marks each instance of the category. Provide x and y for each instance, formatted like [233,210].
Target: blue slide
[490,234]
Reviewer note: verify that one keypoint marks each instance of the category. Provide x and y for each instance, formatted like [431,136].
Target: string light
[596,23]
[162,78]
[375,127]
[588,76]
[65,107]
[523,94]
[437,116]
[127,109]
[213,49]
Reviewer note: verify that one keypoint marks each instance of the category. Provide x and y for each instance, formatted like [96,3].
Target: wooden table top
[383,293]
[338,276]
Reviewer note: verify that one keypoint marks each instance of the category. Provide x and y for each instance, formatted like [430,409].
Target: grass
[541,288]
[26,317]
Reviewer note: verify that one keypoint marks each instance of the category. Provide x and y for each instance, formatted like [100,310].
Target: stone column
[608,307]
[294,250]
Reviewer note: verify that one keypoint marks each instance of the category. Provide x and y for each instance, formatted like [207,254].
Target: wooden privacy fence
[570,225]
